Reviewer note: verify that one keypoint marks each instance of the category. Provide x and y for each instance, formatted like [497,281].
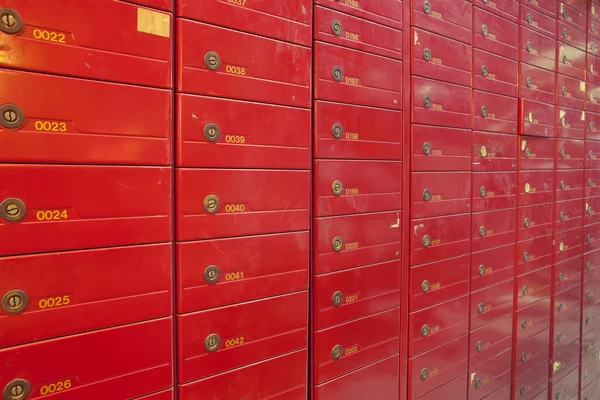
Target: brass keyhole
[337,243]
[337,131]
[212,60]
[336,299]
[211,204]
[336,352]
[12,209]
[16,390]
[212,274]
[212,342]
[337,73]
[14,301]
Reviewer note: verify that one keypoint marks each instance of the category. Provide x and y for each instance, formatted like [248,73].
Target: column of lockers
[242,190]
[357,200]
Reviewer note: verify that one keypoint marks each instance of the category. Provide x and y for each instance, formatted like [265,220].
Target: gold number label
[351,81]
[55,387]
[237,2]
[435,286]
[54,302]
[50,126]
[351,136]
[351,350]
[436,197]
[238,139]
[352,36]
[234,276]
[51,215]
[49,36]
[436,242]
[238,341]
[352,298]
[437,60]
[351,246]
[232,208]
[438,107]
[352,3]
[352,191]
[232,69]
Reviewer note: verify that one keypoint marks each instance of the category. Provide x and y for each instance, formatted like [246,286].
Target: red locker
[537,49]
[590,318]
[387,12]
[290,21]
[351,131]
[537,20]
[223,133]
[221,62]
[220,339]
[438,238]
[215,203]
[164,395]
[593,45]
[548,7]
[456,386]
[356,33]
[532,351]
[533,286]
[438,57]
[439,103]
[591,292]
[591,236]
[571,93]
[48,205]
[491,229]
[490,303]
[592,159]
[438,281]
[508,9]
[440,149]
[64,123]
[501,393]
[590,343]
[353,240]
[532,384]
[591,177]
[592,207]
[536,152]
[570,122]
[593,126]
[591,262]
[537,84]
[353,293]
[568,214]
[590,369]
[436,325]
[351,76]
[535,187]
[140,363]
[536,119]
[491,266]
[495,34]
[439,193]
[450,18]
[534,254]
[566,331]
[490,339]
[567,303]
[495,74]
[571,61]
[494,152]
[591,391]
[568,386]
[494,113]
[344,348]
[492,190]
[69,37]
[213,273]
[535,220]
[593,71]
[279,378]
[489,376]
[569,153]
[567,274]
[572,36]
[575,17]
[532,319]
[350,186]
[593,98]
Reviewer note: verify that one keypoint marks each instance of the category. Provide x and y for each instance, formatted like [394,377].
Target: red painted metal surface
[439,193]
[536,119]
[491,266]
[532,319]
[132,370]
[535,187]
[571,36]
[491,229]
[456,387]
[494,152]
[593,98]
[249,267]
[440,237]
[490,303]
[495,34]
[575,17]
[534,254]
[591,215]
[569,153]
[566,331]
[537,20]
[548,7]
[570,123]
[567,274]
[491,339]
[533,384]
[571,61]
[593,69]
[568,386]
[508,9]
[494,113]
[386,12]
[532,352]
[533,287]
[569,184]
[536,153]
[592,156]
[290,22]
[439,103]
[537,49]
[537,84]
[495,74]
[567,303]
[69,37]
[591,181]
[437,148]
[438,281]
[489,376]
[493,190]
[568,214]
[450,18]
[535,220]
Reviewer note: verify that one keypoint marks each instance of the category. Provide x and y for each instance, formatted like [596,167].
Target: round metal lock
[477,383]
[591,125]
[525,291]
[212,132]
[561,246]
[483,151]
[564,58]
[560,277]
[485,1]
[593,46]
[481,270]
[484,30]
[526,222]
[336,27]
[337,298]
[588,293]
[480,308]
[593,28]
[589,238]
[427,102]
[337,187]
[564,32]
[12,209]
[560,308]
[564,90]
[426,7]
[11,116]
[337,74]
[586,373]
[337,243]
[526,256]
[523,357]
[482,231]
[524,324]
[337,130]
[10,21]
[529,17]
[427,54]
[424,374]
[587,347]
[212,60]
[529,46]
[482,191]
[426,195]
[562,185]
[590,182]
[588,265]
[211,204]
[425,286]
[590,154]
[16,390]
[425,330]
[557,397]
[212,342]
[559,337]
[564,12]
[590,210]
[336,352]
[587,320]
[562,215]
[426,240]
[479,346]
[522,389]
[212,273]
[527,152]
[426,148]
[563,153]
[529,82]
[14,301]
[484,71]
[484,111]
